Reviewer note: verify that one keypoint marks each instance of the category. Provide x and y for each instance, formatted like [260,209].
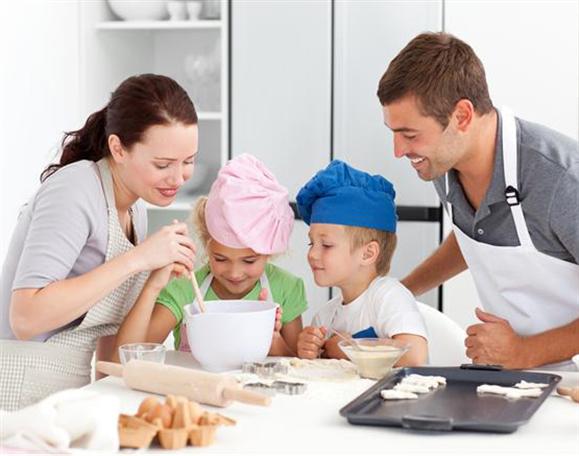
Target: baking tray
[457,406]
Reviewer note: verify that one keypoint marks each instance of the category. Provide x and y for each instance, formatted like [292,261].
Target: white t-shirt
[386,305]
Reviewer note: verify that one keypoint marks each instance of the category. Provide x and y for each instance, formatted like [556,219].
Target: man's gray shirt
[548,184]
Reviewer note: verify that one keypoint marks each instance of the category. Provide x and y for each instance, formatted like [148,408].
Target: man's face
[432,150]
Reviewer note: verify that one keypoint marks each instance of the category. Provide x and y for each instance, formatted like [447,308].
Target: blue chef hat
[343,195]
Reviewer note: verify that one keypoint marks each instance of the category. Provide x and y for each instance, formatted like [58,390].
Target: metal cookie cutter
[278,386]
[268,369]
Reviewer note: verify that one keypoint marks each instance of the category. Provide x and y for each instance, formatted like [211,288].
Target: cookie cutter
[268,369]
[289,388]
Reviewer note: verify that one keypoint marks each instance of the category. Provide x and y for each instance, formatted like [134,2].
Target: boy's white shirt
[386,305]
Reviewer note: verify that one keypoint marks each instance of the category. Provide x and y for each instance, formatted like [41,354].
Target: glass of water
[142,351]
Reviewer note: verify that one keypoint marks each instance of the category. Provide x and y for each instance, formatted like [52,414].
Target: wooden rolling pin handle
[114,369]
[246,396]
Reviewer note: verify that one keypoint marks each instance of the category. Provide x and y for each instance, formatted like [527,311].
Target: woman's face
[156,168]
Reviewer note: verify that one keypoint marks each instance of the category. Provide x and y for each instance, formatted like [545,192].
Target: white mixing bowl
[230,333]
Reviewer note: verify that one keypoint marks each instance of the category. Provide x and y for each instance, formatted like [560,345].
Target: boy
[352,218]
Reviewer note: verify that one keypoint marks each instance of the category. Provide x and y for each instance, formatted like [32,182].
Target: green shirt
[287,290]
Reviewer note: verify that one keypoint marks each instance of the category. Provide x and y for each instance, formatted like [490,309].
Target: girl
[245,219]
[78,257]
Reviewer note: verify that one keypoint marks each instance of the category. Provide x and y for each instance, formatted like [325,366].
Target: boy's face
[331,257]
[235,270]
[431,150]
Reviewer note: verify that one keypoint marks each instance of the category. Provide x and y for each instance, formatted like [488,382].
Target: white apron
[535,292]
[184,342]
[30,371]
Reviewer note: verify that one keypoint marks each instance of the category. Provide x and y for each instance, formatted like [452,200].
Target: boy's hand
[310,342]
[332,350]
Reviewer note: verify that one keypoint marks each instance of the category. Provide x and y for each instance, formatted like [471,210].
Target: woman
[78,258]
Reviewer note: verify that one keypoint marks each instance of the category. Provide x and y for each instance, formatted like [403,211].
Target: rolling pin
[204,387]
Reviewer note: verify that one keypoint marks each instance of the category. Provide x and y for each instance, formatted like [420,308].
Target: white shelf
[207,115]
[159,25]
[175,206]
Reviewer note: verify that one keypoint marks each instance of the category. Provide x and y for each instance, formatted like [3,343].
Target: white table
[311,423]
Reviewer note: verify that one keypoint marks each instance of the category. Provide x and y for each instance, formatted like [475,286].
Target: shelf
[159,25]
[175,206]
[207,115]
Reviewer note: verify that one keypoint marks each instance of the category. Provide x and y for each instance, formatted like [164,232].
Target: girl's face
[236,271]
[157,167]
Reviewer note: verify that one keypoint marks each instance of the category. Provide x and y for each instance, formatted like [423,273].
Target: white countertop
[311,423]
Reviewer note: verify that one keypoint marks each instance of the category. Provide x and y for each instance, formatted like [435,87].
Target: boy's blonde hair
[360,236]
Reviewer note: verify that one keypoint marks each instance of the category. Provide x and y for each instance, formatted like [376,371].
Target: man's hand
[310,342]
[495,342]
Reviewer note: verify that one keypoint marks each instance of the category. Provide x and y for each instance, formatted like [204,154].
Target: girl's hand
[171,244]
[159,278]
[277,326]
[263,297]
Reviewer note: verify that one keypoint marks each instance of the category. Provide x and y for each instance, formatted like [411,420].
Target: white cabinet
[368,35]
[281,86]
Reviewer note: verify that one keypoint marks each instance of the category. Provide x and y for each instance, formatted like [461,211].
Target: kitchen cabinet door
[280,94]
[368,35]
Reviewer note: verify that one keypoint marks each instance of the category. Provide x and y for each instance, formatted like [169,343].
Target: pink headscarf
[248,208]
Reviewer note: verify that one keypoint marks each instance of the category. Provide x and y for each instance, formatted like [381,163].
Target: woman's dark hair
[137,104]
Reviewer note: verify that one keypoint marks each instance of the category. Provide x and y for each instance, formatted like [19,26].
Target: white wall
[530,50]
[39,96]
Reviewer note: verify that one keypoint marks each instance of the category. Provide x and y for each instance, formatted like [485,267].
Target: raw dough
[511,393]
[529,385]
[393,394]
[411,388]
[322,369]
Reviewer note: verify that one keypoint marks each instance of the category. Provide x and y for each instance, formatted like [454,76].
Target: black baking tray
[456,406]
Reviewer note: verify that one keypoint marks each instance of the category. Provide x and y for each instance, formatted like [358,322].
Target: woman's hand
[171,244]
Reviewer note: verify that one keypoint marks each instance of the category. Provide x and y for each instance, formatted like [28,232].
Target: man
[512,190]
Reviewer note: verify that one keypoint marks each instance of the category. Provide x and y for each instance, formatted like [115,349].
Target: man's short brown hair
[440,70]
[386,241]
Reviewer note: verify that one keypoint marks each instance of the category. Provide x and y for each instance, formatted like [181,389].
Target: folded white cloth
[69,419]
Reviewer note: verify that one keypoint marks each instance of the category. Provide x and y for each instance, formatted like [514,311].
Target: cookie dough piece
[393,394]
[511,393]
[530,385]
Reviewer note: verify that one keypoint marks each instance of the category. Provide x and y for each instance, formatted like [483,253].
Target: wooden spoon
[573,393]
[198,294]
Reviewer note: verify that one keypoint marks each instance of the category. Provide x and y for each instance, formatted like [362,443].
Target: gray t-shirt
[62,232]
[548,184]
